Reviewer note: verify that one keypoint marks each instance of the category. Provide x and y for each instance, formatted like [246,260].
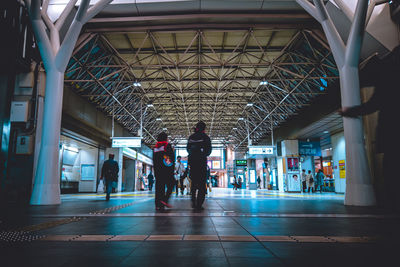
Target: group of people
[168,174]
[310,183]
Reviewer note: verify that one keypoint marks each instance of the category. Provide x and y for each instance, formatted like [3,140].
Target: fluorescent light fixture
[164,129]
[326,131]
[249,104]
[234,128]
[241,119]
[158,119]
[72,149]
[150,105]
[263,83]
[137,84]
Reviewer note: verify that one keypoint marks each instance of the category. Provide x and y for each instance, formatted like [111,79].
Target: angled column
[55,55]
[359,190]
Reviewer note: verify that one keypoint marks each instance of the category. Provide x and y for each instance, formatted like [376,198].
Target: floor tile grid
[220,243]
[265,247]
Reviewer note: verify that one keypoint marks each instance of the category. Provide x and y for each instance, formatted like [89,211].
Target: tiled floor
[237,228]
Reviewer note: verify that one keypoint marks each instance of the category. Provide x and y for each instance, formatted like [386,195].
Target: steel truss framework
[210,75]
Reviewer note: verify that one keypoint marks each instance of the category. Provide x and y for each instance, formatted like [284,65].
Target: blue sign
[309,148]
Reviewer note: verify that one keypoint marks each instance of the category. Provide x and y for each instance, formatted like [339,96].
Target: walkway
[237,228]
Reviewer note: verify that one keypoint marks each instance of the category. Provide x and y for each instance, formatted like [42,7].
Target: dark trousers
[151,186]
[176,186]
[181,184]
[162,195]
[109,187]
[198,175]
[304,186]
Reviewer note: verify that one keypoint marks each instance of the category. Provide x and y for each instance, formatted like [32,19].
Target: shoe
[166,204]
[199,208]
[160,208]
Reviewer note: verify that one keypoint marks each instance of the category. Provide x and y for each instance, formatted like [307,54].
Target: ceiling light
[263,83]
[326,131]
[241,119]
[249,104]
[158,119]
[234,128]
[137,84]
[165,129]
[150,105]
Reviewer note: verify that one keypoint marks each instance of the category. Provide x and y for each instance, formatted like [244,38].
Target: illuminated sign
[261,150]
[126,142]
[129,152]
[253,176]
[216,164]
[144,159]
[241,162]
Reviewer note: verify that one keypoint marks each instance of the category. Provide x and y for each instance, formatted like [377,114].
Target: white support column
[359,190]
[55,55]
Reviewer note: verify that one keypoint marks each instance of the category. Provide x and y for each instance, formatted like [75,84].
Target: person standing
[258,182]
[179,171]
[319,178]
[304,180]
[310,182]
[198,148]
[150,179]
[163,159]
[109,172]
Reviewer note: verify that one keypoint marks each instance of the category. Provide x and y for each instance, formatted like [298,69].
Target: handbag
[100,187]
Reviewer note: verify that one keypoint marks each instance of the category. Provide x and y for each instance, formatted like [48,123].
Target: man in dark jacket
[164,164]
[198,148]
[150,179]
[109,172]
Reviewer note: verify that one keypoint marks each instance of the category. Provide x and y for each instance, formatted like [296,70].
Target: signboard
[309,148]
[216,164]
[253,176]
[293,182]
[241,162]
[126,142]
[87,172]
[293,164]
[144,159]
[130,153]
[261,150]
[342,168]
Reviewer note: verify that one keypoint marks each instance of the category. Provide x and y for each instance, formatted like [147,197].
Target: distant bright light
[158,119]
[70,148]
[326,131]
[263,83]
[150,105]
[164,129]
[249,104]
[137,84]
[234,128]
[241,119]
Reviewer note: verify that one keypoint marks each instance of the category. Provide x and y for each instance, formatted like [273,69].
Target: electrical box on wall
[24,145]
[19,111]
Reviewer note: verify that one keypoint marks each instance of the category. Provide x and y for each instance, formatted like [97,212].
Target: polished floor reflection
[237,228]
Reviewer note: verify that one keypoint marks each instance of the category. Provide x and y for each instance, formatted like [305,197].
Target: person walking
[150,179]
[163,160]
[303,177]
[109,172]
[198,148]
[179,171]
[319,178]
[310,182]
[258,182]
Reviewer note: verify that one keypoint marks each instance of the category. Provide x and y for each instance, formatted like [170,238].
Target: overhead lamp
[158,119]
[241,119]
[234,128]
[263,83]
[249,104]
[137,84]
[150,105]
[164,129]
[71,148]
[326,132]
